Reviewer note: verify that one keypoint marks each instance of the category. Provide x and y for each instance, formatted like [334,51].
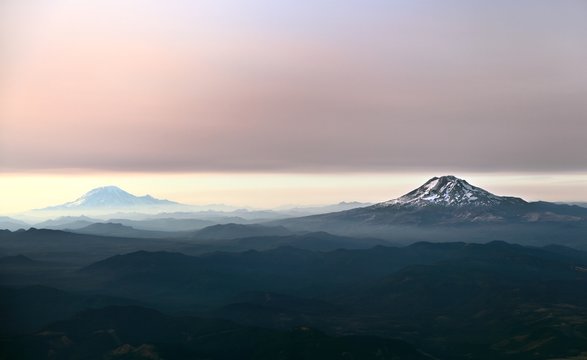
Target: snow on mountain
[450,191]
[448,208]
[110,197]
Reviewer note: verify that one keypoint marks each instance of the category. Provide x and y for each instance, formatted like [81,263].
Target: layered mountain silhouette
[11,224]
[112,202]
[234,231]
[457,300]
[453,300]
[119,230]
[66,222]
[447,208]
[326,286]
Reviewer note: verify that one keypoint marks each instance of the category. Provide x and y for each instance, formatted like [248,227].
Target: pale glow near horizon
[264,103]
[21,192]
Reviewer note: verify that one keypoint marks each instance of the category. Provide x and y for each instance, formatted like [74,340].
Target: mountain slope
[501,301]
[66,222]
[448,207]
[316,241]
[463,301]
[234,231]
[63,246]
[450,191]
[177,277]
[123,231]
[7,223]
[453,300]
[110,197]
[165,223]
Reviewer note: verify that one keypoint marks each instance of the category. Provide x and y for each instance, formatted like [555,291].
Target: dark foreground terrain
[423,301]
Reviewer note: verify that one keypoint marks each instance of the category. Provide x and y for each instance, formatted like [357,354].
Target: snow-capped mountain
[111,197]
[450,191]
[442,201]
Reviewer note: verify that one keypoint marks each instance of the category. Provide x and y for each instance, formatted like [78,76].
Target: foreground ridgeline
[427,300]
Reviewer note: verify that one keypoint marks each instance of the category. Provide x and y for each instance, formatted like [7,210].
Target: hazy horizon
[264,104]
[249,123]
[265,191]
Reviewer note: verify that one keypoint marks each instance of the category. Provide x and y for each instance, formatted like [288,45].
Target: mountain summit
[450,191]
[447,201]
[110,197]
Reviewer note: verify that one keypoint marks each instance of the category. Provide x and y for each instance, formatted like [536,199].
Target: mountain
[446,208]
[500,301]
[112,202]
[7,223]
[164,224]
[452,192]
[233,231]
[211,278]
[454,300]
[581,204]
[110,197]
[317,241]
[494,301]
[101,240]
[66,222]
[63,246]
[314,210]
[123,231]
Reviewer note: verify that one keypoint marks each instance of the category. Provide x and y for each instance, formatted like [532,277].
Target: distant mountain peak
[109,188]
[110,197]
[450,190]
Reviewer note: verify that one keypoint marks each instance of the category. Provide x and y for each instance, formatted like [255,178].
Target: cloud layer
[293,86]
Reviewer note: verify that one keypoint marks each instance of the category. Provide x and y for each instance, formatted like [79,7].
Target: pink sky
[293,87]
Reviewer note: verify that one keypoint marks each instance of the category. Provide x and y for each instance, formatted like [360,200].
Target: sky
[290,101]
